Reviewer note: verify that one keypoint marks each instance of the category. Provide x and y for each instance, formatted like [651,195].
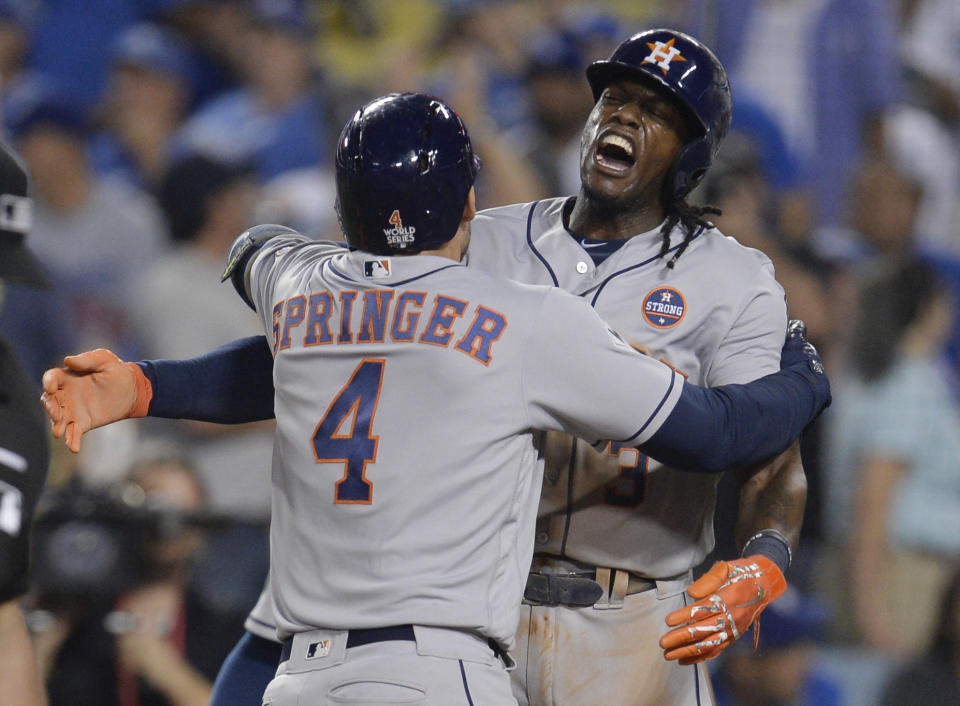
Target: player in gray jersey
[674,286]
[406,468]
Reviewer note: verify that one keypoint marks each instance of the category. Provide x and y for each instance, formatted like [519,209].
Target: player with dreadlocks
[618,533]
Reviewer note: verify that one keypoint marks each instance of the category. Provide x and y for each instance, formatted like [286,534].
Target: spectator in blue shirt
[894,488]
[828,70]
[151,82]
[276,119]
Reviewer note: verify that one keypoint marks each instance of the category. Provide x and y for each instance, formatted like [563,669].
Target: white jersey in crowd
[406,475]
[718,317]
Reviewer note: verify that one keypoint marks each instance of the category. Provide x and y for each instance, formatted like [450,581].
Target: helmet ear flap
[688,169]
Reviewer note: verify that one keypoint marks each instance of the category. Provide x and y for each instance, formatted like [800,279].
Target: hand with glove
[798,350]
[730,598]
[91,390]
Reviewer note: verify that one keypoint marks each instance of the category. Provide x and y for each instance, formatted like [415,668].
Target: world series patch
[664,307]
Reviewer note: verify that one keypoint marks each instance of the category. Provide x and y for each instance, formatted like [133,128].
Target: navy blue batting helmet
[690,72]
[404,170]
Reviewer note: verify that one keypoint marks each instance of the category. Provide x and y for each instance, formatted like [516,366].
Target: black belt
[363,636]
[579,589]
[366,636]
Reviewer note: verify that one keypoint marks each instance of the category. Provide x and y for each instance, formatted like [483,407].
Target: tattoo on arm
[773,496]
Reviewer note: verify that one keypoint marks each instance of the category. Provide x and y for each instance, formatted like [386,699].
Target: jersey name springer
[386,316]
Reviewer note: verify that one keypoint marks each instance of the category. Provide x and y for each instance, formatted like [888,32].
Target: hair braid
[691,218]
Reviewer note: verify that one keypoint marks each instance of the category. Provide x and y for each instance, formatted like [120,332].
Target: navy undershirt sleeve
[232,384]
[733,426]
[709,430]
[246,672]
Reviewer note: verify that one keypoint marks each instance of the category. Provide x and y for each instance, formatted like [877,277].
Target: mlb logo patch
[316,650]
[664,307]
[376,269]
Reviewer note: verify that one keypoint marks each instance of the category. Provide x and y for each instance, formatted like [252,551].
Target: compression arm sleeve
[232,384]
[735,426]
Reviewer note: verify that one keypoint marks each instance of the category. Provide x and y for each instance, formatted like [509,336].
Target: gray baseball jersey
[719,317]
[405,475]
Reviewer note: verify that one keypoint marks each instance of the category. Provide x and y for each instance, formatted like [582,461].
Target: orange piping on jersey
[662,360]
[318,323]
[478,340]
[398,332]
[296,307]
[440,325]
[373,320]
[673,367]
[347,297]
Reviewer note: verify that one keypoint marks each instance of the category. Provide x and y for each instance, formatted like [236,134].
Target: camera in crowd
[95,544]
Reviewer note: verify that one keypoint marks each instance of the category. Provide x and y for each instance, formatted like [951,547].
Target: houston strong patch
[664,307]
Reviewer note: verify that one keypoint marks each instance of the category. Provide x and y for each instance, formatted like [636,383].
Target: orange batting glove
[730,598]
[93,389]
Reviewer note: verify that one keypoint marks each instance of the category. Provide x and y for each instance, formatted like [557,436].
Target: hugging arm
[731,426]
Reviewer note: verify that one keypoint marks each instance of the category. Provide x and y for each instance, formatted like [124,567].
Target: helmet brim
[601,74]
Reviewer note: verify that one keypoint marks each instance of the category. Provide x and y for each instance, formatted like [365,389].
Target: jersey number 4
[345,434]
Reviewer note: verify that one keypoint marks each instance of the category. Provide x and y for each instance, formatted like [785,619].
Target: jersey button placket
[582,267]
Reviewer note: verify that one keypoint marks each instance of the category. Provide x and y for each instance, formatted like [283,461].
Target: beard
[604,206]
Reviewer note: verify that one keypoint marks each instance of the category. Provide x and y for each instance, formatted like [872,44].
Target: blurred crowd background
[155,131]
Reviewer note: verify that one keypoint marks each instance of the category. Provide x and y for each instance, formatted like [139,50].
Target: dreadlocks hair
[692,219]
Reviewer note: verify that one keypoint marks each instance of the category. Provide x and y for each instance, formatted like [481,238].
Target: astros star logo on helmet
[662,54]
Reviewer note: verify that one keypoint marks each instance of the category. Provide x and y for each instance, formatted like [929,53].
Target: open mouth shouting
[615,154]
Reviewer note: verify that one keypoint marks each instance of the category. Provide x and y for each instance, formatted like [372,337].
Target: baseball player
[24,450]
[410,461]
[670,283]
[652,266]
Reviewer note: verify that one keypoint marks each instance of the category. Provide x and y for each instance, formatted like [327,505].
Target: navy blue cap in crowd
[18,12]
[555,52]
[689,71]
[404,168]
[285,15]
[150,47]
[42,101]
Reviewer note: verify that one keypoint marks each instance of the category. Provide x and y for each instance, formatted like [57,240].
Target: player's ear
[470,210]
